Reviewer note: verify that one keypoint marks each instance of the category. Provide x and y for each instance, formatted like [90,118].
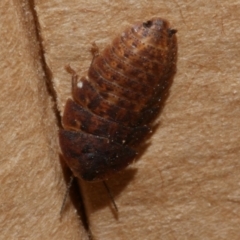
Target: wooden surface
[186,185]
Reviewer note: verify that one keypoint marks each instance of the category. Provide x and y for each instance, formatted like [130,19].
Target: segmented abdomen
[114,105]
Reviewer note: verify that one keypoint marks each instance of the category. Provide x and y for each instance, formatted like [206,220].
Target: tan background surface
[186,185]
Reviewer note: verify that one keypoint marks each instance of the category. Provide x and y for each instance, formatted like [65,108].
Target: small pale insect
[112,108]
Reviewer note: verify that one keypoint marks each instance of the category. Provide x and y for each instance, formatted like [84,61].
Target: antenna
[66,194]
[110,195]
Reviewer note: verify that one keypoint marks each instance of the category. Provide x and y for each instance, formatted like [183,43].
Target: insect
[114,105]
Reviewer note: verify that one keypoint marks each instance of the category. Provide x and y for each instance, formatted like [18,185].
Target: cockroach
[113,106]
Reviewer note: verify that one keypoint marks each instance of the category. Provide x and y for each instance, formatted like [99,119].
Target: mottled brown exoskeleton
[113,106]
